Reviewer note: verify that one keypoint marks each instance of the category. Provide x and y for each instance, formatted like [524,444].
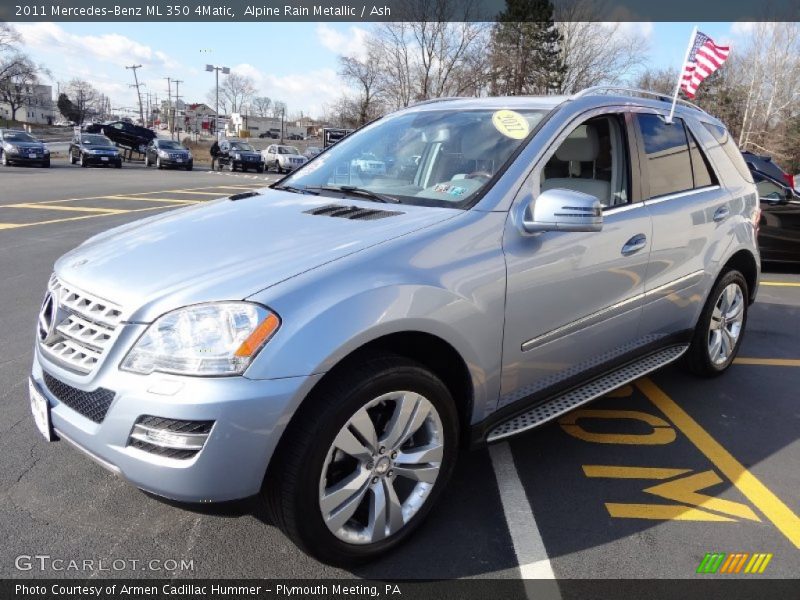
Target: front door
[574,300]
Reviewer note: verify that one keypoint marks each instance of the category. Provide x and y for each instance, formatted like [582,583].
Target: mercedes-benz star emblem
[47,317]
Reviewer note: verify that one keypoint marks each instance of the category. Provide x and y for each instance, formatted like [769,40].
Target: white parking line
[528,545]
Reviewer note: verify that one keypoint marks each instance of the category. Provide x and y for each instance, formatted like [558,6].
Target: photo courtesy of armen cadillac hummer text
[451,274]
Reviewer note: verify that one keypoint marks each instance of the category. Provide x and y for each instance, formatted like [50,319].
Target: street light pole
[225,71]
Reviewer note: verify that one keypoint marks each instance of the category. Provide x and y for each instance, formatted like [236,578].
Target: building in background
[37,109]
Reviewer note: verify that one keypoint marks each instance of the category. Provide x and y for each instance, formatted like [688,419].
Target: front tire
[720,328]
[4,160]
[158,164]
[364,460]
[146,161]
[82,161]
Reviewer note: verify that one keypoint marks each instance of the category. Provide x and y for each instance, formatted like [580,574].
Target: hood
[32,145]
[227,250]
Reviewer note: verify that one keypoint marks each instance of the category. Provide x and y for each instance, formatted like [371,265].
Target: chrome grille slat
[85,329]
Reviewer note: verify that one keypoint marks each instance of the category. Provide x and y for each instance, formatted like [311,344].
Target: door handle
[722,213]
[634,244]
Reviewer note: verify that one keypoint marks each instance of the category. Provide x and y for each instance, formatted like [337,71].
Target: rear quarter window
[731,149]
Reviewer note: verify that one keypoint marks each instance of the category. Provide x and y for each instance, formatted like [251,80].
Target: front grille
[92,405]
[85,327]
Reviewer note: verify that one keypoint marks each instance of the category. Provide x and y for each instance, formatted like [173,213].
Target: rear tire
[720,328]
[308,465]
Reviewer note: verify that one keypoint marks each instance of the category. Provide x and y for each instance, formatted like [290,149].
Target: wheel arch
[744,262]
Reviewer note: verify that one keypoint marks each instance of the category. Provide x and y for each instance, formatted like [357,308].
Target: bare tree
[262,106]
[85,99]
[278,109]
[437,52]
[365,76]
[237,90]
[593,52]
[16,87]
[211,98]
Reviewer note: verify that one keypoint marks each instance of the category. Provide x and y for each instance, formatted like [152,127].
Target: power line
[178,82]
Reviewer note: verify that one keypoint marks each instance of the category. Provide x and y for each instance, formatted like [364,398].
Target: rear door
[691,216]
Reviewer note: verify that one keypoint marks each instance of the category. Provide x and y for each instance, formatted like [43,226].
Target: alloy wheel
[381,467]
[726,324]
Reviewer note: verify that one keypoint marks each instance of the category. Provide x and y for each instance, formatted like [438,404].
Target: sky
[293,62]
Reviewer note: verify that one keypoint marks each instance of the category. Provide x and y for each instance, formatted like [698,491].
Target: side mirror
[562,210]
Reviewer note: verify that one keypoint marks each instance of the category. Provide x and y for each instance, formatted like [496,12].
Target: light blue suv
[333,341]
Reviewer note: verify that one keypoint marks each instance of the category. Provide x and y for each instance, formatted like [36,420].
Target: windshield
[17,136]
[241,146]
[427,158]
[169,145]
[96,140]
[287,150]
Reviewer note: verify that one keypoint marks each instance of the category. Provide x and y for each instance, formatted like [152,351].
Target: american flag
[704,58]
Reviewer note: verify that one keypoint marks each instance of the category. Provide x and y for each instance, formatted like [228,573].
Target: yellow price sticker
[511,124]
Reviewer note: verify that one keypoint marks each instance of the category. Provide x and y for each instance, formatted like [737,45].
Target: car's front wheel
[364,460]
[719,331]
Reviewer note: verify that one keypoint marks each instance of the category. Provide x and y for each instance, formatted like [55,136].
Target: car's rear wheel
[719,331]
[364,461]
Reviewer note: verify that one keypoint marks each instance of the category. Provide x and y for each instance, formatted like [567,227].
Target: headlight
[188,156]
[163,154]
[11,149]
[237,156]
[46,150]
[205,339]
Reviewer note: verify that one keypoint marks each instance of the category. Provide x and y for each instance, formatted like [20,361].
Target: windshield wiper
[357,191]
[296,190]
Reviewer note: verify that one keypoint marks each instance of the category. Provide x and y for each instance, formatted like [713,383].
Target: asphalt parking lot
[640,484]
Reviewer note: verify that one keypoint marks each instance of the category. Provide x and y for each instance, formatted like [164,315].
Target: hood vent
[243,195]
[354,213]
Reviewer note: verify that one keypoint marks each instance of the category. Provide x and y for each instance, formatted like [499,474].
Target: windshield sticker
[511,124]
[450,190]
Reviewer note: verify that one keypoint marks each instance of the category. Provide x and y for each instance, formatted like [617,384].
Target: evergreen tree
[526,50]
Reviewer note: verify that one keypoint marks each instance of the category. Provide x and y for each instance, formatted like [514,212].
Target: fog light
[171,433]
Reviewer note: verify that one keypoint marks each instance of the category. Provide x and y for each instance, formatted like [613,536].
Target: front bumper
[93,159]
[179,163]
[25,159]
[249,417]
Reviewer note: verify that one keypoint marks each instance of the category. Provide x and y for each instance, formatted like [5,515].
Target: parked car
[369,164]
[21,148]
[168,153]
[124,133]
[294,137]
[283,158]
[89,149]
[312,151]
[235,154]
[779,227]
[765,165]
[332,343]
[272,134]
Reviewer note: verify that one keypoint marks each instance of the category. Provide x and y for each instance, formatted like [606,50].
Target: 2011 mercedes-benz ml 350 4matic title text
[331,342]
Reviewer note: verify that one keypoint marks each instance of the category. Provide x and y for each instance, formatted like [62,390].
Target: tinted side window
[729,146]
[666,153]
[701,169]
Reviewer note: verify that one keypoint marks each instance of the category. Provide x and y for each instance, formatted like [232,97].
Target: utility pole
[169,101]
[216,70]
[136,85]
[283,116]
[178,82]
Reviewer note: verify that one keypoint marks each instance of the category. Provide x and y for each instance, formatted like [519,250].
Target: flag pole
[680,73]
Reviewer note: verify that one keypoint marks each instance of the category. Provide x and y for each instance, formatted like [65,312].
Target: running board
[542,413]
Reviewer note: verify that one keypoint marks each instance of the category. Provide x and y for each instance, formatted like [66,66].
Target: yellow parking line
[768,503]
[617,472]
[770,362]
[190,192]
[780,283]
[110,211]
[140,199]
[51,221]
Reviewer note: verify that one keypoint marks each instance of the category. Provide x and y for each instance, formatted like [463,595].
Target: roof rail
[627,91]
[433,100]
